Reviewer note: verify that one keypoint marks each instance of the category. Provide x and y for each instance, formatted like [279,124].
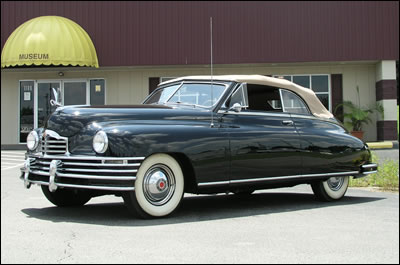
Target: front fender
[206,148]
[145,140]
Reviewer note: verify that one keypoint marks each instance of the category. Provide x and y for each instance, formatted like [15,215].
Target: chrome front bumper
[366,170]
[82,172]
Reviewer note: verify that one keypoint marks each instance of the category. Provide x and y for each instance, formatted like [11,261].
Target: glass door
[26,109]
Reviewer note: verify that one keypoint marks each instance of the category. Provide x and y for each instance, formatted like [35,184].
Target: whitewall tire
[332,189]
[159,187]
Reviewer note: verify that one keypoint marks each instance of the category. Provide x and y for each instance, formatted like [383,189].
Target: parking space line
[12,156]
[5,168]
[13,153]
[10,163]
[9,159]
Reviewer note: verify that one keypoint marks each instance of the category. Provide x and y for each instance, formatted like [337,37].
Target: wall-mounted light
[60,73]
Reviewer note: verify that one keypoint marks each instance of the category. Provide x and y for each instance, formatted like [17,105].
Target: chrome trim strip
[99,170]
[281,99]
[85,157]
[204,184]
[96,187]
[250,113]
[42,173]
[333,174]
[369,172]
[276,178]
[34,167]
[369,166]
[56,146]
[99,165]
[84,186]
[304,116]
[264,179]
[57,142]
[95,177]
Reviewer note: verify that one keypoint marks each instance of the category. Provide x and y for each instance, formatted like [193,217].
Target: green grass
[387,177]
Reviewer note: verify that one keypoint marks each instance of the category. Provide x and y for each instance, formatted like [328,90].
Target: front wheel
[66,197]
[332,189]
[159,187]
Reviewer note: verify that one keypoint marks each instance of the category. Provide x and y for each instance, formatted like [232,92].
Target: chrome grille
[53,144]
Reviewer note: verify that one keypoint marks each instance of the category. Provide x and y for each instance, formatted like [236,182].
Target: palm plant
[358,115]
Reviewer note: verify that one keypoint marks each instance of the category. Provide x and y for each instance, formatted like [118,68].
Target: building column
[386,94]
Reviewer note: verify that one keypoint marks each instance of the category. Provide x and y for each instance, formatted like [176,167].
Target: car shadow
[193,209]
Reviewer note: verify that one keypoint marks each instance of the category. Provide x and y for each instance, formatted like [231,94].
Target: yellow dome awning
[49,40]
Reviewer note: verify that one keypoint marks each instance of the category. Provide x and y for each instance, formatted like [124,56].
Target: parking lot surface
[271,226]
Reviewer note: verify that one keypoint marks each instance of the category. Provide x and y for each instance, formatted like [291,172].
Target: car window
[293,103]
[268,99]
[236,97]
[259,98]
[198,94]
[161,95]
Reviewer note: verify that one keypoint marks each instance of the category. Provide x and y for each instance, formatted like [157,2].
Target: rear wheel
[159,187]
[66,197]
[332,189]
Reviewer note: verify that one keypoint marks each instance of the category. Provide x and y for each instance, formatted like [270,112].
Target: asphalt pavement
[271,226]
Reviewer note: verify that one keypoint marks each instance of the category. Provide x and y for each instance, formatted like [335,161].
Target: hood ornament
[57,98]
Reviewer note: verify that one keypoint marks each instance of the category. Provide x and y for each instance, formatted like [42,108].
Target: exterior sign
[34,56]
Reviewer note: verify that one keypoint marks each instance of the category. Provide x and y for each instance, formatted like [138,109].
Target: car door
[263,140]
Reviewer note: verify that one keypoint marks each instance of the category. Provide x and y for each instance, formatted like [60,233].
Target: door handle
[287,123]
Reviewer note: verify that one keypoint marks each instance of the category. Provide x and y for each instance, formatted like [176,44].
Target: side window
[162,94]
[264,98]
[293,103]
[239,96]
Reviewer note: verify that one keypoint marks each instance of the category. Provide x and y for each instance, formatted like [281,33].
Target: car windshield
[188,94]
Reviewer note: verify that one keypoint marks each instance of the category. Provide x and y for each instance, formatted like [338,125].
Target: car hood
[68,121]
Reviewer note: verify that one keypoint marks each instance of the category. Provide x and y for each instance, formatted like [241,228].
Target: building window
[319,83]
[97,92]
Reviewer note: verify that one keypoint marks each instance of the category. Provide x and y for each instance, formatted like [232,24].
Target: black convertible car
[196,135]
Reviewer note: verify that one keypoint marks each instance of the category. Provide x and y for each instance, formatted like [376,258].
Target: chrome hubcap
[158,184]
[335,183]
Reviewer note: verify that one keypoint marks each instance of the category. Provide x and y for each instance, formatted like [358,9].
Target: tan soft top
[307,94]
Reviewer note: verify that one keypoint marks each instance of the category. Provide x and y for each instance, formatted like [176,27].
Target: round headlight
[32,140]
[100,142]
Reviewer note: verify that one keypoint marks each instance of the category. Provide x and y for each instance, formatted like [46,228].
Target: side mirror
[236,107]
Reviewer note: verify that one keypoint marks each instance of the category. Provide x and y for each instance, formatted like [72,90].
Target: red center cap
[162,185]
